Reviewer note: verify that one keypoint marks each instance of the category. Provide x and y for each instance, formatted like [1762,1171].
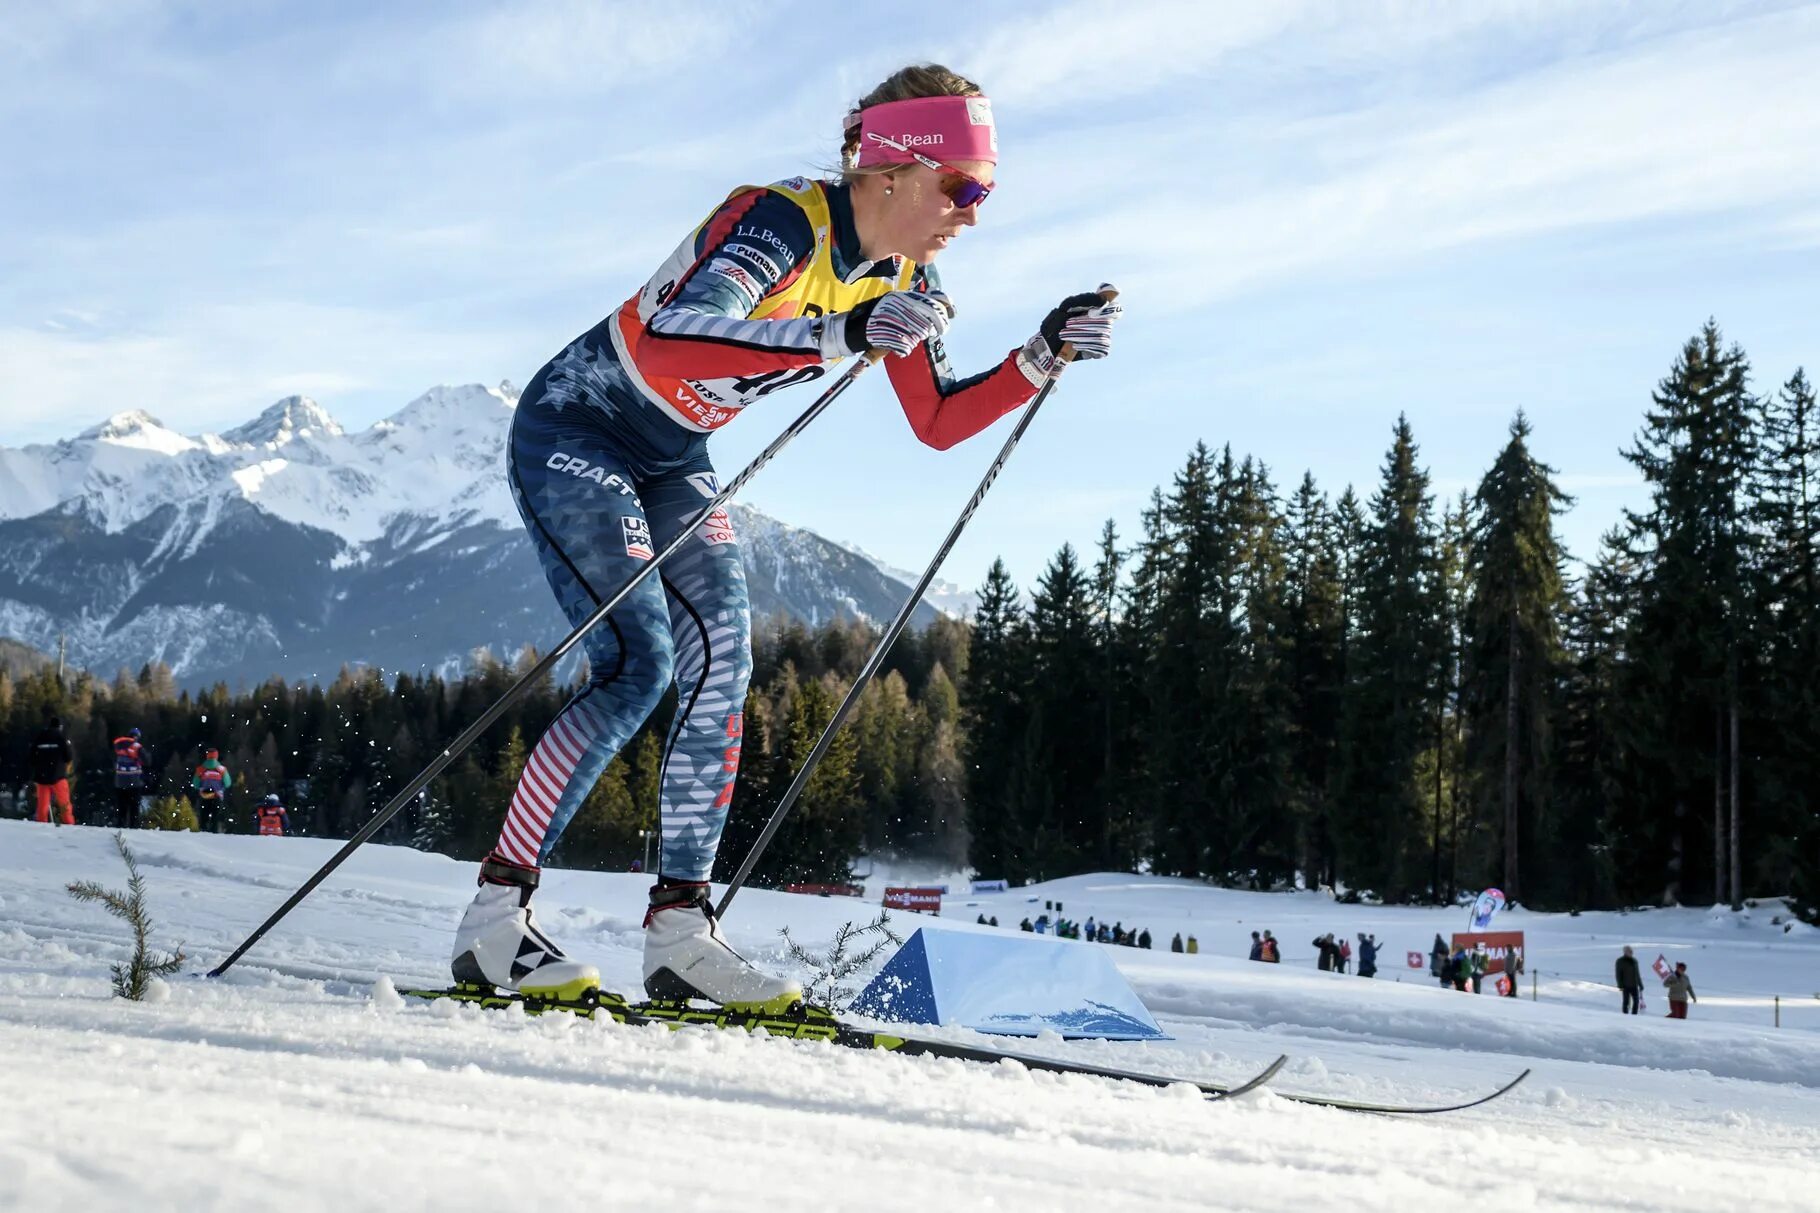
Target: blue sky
[1321,215]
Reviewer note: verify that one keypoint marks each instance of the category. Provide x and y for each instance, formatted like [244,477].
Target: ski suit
[273,821]
[51,759]
[608,460]
[130,759]
[211,782]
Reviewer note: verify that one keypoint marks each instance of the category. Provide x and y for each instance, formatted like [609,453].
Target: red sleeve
[942,418]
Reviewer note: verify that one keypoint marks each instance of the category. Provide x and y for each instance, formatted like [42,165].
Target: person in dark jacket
[1143,939]
[1175,945]
[1368,955]
[1680,991]
[1326,954]
[1630,981]
[131,761]
[1257,947]
[51,760]
[1438,960]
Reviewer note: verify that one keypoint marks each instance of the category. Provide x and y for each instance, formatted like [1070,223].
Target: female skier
[608,460]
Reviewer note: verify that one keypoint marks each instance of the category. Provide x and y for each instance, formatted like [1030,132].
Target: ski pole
[517,689]
[877,657]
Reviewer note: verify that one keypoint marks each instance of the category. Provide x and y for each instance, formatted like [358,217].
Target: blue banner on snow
[1012,985]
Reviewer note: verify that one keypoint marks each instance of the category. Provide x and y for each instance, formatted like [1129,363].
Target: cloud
[222,364]
[1716,123]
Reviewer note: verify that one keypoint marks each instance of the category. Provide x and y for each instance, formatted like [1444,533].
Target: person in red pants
[52,758]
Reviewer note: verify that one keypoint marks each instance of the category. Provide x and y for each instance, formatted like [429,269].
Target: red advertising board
[1501,944]
[914,899]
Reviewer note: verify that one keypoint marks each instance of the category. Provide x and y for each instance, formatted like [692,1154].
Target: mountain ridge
[288,545]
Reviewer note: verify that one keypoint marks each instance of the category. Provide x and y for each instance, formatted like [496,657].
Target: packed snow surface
[302,1080]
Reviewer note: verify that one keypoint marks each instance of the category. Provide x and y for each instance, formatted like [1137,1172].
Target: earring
[888,190]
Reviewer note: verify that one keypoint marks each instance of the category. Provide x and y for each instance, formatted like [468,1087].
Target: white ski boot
[498,943]
[687,957]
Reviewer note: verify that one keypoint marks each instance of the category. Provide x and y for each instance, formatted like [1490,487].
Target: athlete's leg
[576,496]
[588,525]
[711,630]
[710,622]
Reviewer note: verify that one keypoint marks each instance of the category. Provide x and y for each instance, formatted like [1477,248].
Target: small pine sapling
[133,979]
[848,954]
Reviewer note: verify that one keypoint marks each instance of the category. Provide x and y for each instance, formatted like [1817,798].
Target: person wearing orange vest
[273,821]
[52,758]
[131,759]
[211,782]
[608,462]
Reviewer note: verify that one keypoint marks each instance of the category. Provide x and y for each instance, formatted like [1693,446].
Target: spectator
[1459,968]
[211,782]
[1272,953]
[1438,957]
[1042,924]
[1092,930]
[1326,954]
[1481,964]
[273,820]
[1257,947]
[1143,939]
[1026,925]
[131,760]
[1368,955]
[1345,956]
[1175,945]
[52,758]
[1630,981]
[993,921]
[1194,946]
[1680,991]
[982,920]
[1513,969]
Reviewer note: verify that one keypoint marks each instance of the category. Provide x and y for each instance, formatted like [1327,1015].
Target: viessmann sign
[914,899]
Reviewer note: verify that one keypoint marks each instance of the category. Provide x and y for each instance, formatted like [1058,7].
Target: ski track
[294,1082]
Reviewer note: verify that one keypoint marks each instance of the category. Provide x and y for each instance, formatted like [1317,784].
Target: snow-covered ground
[300,1081]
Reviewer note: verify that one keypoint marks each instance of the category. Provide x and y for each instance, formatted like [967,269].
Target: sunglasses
[965,191]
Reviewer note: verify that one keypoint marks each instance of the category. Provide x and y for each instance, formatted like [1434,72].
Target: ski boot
[687,957]
[498,943]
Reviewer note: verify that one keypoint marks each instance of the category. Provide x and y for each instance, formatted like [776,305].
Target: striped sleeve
[942,410]
[756,244]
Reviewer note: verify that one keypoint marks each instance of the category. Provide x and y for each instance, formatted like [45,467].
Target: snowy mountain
[289,546]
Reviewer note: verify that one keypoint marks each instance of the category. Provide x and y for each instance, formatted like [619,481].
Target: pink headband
[942,128]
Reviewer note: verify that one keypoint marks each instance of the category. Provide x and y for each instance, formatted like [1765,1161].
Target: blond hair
[906,83]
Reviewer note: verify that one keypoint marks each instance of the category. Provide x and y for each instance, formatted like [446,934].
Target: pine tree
[1785,512]
[1393,677]
[994,702]
[1682,677]
[1315,630]
[1513,648]
[1060,809]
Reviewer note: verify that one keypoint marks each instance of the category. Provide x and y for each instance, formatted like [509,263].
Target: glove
[1082,321]
[893,324]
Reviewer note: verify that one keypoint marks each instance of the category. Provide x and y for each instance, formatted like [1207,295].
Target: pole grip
[1110,294]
